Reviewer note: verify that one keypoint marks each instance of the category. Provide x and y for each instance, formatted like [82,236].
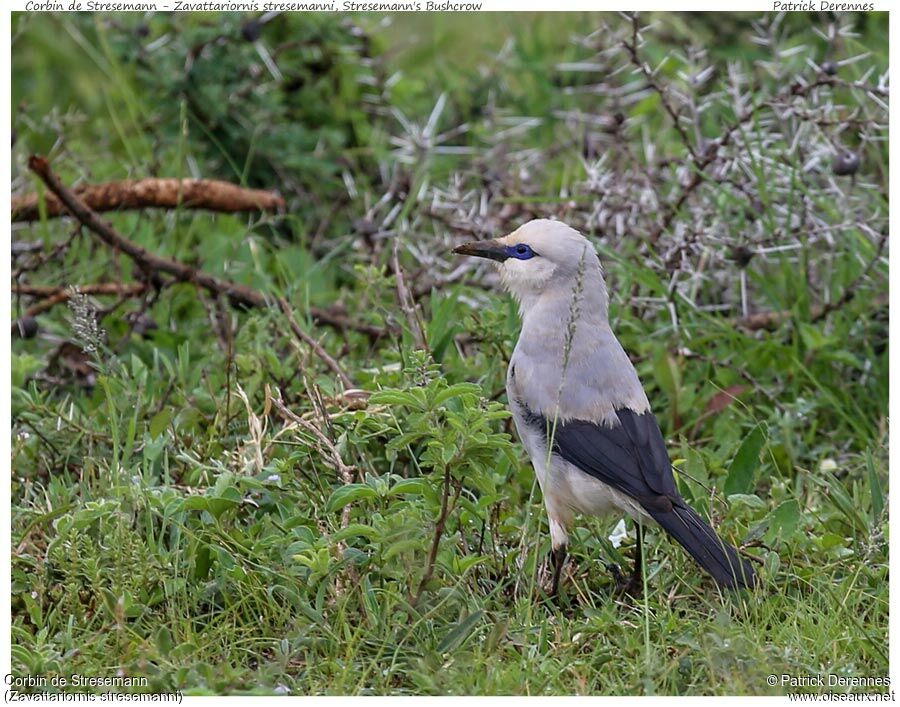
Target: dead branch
[406,301]
[323,443]
[772,320]
[52,296]
[154,264]
[439,526]
[208,194]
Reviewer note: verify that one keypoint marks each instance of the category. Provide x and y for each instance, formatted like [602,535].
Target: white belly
[567,490]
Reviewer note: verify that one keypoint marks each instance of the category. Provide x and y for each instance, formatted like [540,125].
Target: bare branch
[153,264]
[208,194]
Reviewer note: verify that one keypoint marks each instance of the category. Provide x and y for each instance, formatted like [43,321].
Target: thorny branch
[632,47]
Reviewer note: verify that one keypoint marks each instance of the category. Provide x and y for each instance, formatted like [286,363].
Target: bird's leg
[557,559]
[559,541]
[634,583]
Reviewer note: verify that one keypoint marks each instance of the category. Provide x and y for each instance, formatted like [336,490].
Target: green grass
[167,522]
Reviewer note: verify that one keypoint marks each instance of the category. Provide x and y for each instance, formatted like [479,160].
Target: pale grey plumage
[567,364]
[572,387]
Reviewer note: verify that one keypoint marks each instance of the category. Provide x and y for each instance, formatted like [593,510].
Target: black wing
[632,458]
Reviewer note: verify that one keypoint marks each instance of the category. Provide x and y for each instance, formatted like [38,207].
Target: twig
[52,296]
[632,48]
[346,472]
[438,533]
[405,299]
[152,263]
[208,194]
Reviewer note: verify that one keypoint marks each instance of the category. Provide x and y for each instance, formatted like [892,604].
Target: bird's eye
[521,251]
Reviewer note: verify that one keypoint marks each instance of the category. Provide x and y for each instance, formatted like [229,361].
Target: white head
[543,258]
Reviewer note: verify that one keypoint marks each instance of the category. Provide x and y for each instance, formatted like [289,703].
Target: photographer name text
[823,6]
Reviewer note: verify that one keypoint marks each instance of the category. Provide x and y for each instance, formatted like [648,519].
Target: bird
[580,409]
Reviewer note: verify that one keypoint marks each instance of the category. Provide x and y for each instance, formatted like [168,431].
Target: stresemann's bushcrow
[579,406]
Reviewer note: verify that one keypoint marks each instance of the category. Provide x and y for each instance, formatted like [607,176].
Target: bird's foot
[551,574]
[632,585]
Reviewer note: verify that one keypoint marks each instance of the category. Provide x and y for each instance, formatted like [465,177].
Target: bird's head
[540,256]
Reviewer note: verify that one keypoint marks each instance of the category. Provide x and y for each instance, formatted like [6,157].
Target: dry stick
[632,49]
[150,262]
[438,533]
[346,472]
[209,194]
[771,320]
[406,301]
[51,296]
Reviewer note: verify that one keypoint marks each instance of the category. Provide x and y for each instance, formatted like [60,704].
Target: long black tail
[713,554]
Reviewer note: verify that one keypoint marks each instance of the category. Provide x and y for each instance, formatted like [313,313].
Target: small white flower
[618,534]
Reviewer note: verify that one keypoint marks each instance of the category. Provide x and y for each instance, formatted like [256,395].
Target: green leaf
[24,365]
[751,500]
[841,500]
[667,375]
[164,642]
[160,422]
[454,391]
[401,546]
[745,463]
[414,486]
[812,336]
[202,562]
[460,632]
[348,494]
[355,529]
[783,521]
[215,506]
[394,397]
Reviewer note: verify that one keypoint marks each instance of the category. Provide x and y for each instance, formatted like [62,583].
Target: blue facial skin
[520,251]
